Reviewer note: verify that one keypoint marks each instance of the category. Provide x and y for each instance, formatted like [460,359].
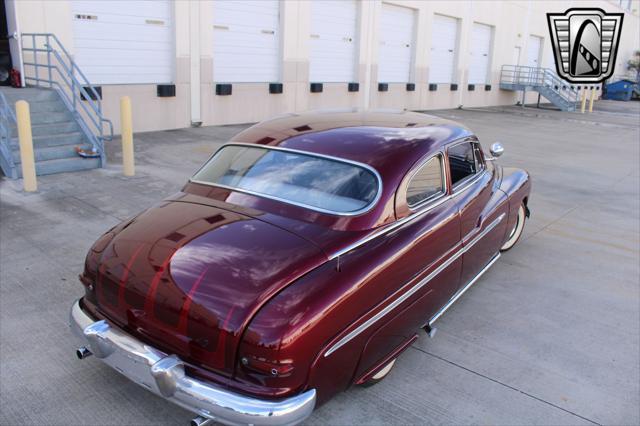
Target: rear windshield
[320,183]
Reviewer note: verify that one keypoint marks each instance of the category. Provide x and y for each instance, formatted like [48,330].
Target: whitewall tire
[380,375]
[516,231]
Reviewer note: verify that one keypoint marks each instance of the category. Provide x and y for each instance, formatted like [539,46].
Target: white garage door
[480,53]
[443,49]
[124,42]
[396,44]
[332,56]
[533,51]
[246,41]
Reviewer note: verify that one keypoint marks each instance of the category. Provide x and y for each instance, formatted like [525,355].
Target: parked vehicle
[301,259]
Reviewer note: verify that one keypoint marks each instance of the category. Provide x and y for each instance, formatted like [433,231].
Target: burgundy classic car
[301,259]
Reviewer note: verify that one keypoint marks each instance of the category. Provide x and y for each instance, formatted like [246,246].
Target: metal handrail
[7,119]
[536,77]
[63,74]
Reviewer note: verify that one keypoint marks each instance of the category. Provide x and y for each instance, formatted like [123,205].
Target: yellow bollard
[127,136]
[592,99]
[584,100]
[26,147]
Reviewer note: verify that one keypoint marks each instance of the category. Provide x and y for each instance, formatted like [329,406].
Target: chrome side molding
[362,327]
[462,291]
[419,213]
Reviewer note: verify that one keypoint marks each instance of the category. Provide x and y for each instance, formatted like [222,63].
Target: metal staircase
[542,80]
[66,112]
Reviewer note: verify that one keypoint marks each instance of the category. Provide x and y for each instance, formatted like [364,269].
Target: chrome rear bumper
[164,375]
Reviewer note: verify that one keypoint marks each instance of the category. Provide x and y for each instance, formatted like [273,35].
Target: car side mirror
[496,150]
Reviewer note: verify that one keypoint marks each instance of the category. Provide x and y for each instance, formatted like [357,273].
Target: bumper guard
[164,375]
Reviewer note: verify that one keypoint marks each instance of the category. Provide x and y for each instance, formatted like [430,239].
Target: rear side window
[316,182]
[463,162]
[426,183]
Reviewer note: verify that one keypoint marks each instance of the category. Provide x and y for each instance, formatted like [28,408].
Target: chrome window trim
[466,185]
[471,178]
[478,151]
[404,220]
[435,196]
[362,327]
[367,167]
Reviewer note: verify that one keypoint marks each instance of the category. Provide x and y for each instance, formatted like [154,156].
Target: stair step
[62,165]
[7,170]
[52,140]
[55,105]
[51,152]
[30,94]
[51,117]
[56,134]
[50,128]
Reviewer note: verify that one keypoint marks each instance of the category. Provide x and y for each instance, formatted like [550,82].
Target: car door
[427,268]
[480,206]
[435,229]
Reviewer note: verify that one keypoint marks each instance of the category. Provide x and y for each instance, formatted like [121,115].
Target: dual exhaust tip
[201,421]
[83,352]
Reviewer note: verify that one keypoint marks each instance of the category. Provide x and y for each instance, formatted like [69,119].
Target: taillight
[89,275]
[261,363]
[266,367]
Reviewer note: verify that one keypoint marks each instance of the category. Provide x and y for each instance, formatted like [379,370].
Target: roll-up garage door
[124,42]
[246,41]
[333,43]
[533,51]
[480,54]
[396,44]
[443,49]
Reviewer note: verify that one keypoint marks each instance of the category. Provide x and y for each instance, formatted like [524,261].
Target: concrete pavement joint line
[97,208]
[505,385]
[553,222]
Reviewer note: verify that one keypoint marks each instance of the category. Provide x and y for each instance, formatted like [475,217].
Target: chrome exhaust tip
[201,421]
[431,331]
[82,352]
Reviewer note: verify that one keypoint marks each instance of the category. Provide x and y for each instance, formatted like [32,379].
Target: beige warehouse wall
[195,100]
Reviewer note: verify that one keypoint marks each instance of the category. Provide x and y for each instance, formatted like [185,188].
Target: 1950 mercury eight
[301,259]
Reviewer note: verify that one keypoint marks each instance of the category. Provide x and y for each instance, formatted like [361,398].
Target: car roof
[389,141]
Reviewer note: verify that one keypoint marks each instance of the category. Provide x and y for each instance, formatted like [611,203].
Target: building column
[366,51]
[194,62]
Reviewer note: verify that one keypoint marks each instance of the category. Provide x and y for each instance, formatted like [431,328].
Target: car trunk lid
[188,277]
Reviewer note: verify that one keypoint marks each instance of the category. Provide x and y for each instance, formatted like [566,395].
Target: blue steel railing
[535,77]
[7,123]
[59,71]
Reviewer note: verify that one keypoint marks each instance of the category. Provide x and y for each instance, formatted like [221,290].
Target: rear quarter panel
[319,309]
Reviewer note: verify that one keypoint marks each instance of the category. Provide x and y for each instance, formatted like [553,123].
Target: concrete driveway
[550,335]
